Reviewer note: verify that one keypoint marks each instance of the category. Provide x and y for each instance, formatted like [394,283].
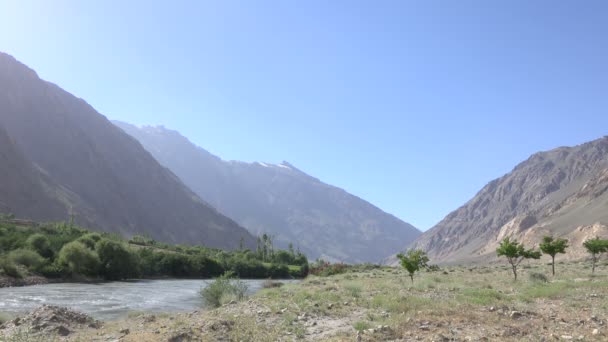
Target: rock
[492,309]
[595,332]
[566,337]
[52,319]
[515,314]
[330,305]
[441,338]
[424,327]
[183,336]
[150,319]
[62,331]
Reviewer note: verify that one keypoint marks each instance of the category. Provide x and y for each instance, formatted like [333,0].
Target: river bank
[480,303]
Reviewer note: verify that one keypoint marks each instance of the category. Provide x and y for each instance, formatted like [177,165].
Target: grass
[456,302]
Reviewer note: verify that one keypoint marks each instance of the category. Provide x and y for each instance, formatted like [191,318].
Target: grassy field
[380,304]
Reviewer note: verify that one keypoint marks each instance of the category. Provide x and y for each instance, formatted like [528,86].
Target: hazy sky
[413,106]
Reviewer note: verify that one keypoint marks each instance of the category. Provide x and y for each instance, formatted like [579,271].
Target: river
[113,300]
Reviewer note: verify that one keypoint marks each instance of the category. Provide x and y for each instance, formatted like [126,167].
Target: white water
[112,300]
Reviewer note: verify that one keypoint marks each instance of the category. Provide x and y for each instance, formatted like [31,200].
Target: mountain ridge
[538,195]
[117,185]
[280,199]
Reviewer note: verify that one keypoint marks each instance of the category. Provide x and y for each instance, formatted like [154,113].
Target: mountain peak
[279,199]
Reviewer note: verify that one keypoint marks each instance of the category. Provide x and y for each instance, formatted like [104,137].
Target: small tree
[595,247]
[552,247]
[413,261]
[515,253]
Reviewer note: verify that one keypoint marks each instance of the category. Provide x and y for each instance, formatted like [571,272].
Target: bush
[116,261]
[10,269]
[78,259]
[52,271]
[223,288]
[40,244]
[278,271]
[176,265]
[203,266]
[538,278]
[27,258]
[89,240]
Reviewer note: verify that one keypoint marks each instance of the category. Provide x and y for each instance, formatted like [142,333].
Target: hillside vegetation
[68,252]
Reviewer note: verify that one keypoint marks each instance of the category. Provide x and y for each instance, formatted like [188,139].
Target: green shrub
[40,244]
[222,288]
[52,271]
[538,278]
[361,325]
[116,262]
[26,257]
[89,240]
[78,259]
[9,268]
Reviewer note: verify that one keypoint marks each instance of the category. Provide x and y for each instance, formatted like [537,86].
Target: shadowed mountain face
[324,221]
[24,190]
[70,156]
[562,192]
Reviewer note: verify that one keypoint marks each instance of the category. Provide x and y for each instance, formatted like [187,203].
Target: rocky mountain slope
[562,192]
[324,221]
[24,190]
[75,159]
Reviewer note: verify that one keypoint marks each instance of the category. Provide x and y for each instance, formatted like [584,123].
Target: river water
[112,300]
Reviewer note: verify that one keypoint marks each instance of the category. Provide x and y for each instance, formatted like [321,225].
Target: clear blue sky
[413,106]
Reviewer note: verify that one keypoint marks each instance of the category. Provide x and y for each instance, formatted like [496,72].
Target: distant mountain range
[322,220]
[562,192]
[60,157]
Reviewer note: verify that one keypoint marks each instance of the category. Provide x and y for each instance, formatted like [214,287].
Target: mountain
[24,190]
[562,192]
[323,220]
[69,159]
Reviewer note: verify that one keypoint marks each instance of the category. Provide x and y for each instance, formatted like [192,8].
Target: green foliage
[78,259]
[116,261]
[595,247]
[223,288]
[413,261]
[89,240]
[515,253]
[9,268]
[40,244]
[142,256]
[553,247]
[26,257]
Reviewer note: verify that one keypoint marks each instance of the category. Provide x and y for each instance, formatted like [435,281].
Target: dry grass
[456,303]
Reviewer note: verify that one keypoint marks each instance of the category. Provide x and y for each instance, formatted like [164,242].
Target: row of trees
[515,252]
[65,250]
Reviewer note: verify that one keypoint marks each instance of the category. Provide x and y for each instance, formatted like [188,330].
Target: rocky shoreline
[25,281]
